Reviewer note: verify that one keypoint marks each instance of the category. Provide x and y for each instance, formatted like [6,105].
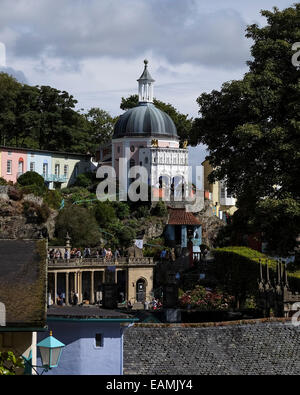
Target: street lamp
[50,350]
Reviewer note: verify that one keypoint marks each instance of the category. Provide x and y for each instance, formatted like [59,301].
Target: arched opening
[141,290]
[20,167]
[177,188]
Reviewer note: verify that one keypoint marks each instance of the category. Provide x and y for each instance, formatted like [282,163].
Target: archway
[141,286]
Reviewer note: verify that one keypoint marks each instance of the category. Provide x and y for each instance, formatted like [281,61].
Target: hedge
[236,269]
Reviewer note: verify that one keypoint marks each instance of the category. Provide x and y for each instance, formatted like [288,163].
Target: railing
[76,262]
[54,178]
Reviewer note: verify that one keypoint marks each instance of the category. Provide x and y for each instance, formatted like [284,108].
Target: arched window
[57,169]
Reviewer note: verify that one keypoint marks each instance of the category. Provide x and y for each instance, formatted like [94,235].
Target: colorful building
[218,194]
[59,169]
[93,339]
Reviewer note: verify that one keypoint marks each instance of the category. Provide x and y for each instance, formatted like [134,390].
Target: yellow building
[217,193]
[66,167]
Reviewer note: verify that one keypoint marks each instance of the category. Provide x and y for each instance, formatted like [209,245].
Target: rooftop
[23,282]
[181,217]
[87,312]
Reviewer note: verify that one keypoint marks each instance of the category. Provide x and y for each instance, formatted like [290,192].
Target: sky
[94,49]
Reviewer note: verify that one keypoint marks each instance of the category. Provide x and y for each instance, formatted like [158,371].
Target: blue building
[93,339]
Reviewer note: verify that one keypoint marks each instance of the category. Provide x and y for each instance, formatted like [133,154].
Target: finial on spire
[146,85]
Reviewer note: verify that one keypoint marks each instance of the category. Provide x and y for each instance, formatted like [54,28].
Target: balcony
[99,262]
[54,178]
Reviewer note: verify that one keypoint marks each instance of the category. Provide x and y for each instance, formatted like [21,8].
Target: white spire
[146,85]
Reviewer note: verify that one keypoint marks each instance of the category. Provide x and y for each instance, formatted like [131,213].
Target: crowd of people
[78,253]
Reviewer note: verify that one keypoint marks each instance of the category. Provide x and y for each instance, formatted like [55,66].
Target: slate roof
[145,120]
[86,312]
[181,217]
[23,274]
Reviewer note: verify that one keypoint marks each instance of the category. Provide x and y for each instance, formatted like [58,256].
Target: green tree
[81,225]
[182,122]
[101,125]
[252,128]
[9,90]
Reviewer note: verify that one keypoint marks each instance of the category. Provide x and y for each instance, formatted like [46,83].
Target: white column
[33,352]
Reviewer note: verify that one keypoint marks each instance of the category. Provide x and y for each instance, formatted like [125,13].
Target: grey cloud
[172,29]
[17,74]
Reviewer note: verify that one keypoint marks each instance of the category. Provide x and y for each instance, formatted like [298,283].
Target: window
[132,148]
[45,169]
[146,160]
[57,170]
[9,153]
[131,163]
[66,171]
[222,192]
[32,166]
[76,171]
[9,167]
[119,149]
[99,340]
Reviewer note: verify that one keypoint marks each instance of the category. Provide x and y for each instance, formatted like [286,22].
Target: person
[78,254]
[129,305]
[109,254]
[104,253]
[173,256]
[75,299]
[117,254]
[154,304]
[163,254]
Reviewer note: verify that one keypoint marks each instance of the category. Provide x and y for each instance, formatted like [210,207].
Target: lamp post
[50,350]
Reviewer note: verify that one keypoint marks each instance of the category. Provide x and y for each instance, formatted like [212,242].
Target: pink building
[13,163]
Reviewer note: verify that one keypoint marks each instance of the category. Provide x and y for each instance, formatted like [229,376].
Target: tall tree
[101,125]
[182,122]
[252,129]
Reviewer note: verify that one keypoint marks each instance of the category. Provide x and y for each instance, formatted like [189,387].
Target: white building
[146,136]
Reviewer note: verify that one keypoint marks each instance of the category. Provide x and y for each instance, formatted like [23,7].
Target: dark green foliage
[3,181]
[83,181]
[81,225]
[182,122]
[142,212]
[122,209]
[35,213]
[251,128]
[237,271]
[104,213]
[31,178]
[45,118]
[32,182]
[53,199]
[160,209]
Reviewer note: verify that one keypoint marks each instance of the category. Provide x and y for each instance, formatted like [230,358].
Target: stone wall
[253,347]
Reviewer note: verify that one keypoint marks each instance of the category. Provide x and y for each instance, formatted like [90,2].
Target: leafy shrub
[9,363]
[31,178]
[122,209]
[3,181]
[104,213]
[84,180]
[205,299]
[237,270]
[81,225]
[53,199]
[160,209]
[142,212]
[36,213]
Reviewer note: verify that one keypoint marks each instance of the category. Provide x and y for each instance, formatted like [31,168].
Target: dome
[145,120]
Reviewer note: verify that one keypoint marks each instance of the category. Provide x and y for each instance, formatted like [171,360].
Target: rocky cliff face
[24,217]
